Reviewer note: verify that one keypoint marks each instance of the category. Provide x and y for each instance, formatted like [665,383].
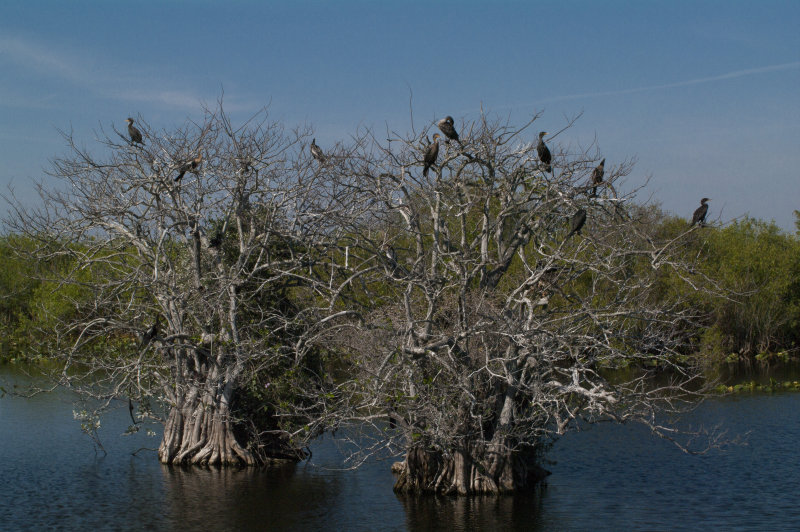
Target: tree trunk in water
[201,433]
[482,468]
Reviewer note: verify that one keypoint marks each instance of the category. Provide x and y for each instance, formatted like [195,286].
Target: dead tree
[232,263]
[500,332]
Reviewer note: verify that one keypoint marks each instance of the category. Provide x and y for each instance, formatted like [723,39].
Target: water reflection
[607,478]
[508,512]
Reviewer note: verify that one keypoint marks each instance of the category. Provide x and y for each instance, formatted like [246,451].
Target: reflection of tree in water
[239,499]
[521,511]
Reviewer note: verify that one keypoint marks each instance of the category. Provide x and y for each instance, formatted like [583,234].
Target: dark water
[606,478]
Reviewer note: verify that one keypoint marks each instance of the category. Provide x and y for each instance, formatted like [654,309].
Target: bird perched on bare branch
[151,333]
[699,215]
[544,153]
[134,133]
[189,166]
[448,128]
[597,176]
[391,266]
[578,219]
[431,154]
[316,152]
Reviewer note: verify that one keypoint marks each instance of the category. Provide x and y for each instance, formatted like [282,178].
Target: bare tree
[199,267]
[492,319]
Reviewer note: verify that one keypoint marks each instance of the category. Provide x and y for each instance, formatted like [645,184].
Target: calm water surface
[606,478]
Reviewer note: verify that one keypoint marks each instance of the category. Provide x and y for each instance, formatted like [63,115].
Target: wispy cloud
[84,71]
[39,59]
[685,83]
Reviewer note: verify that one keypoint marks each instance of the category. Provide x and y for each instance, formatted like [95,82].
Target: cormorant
[578,219]
[431,154]
[316,151]
[447,127]
[189,166]
[544,153]
[135,134]
[700,213]
[150,333]
[597,176]
[216,239]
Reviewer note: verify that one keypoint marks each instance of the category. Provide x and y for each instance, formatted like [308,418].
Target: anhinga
[135,134]
[700,213]
[316,151]
[597,176]
[431,154]
[578,219]
[449,130]
[544,153]
[391,255]
[391,259]
[189,166]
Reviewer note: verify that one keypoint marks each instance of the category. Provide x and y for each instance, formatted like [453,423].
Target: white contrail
[697,81]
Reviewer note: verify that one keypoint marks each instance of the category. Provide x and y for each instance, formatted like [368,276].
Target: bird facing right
[189,166]
[699,215]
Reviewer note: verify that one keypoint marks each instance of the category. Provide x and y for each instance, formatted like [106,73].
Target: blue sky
[704,94]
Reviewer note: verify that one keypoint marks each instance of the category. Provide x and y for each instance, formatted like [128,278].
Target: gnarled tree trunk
[476,469]
[200,431]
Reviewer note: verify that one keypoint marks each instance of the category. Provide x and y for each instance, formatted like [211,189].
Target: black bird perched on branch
[133,131]
[189,166]
[447,126]
[316,151]
[544,153]
[150,333]
[578,219]
[597,176]
[431,154]
[700,213]
[216,238]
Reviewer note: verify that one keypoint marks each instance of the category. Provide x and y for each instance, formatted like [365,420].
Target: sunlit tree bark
[187,289]
[494,326]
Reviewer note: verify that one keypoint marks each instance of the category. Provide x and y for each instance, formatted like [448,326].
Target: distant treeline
[754,262]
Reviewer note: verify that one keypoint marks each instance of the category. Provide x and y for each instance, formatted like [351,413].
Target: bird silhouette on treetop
[134,133]
[700,213]
[544,153]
